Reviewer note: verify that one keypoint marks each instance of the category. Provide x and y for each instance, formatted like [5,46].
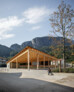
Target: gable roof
[29,47]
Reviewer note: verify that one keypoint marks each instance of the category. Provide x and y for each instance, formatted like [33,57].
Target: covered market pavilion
[31,58]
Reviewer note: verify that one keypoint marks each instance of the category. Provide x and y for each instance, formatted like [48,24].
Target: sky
[23,20]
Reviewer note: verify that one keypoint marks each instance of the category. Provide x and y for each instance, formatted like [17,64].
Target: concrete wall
[8,65]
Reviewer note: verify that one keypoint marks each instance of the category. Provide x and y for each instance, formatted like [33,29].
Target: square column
[8,65]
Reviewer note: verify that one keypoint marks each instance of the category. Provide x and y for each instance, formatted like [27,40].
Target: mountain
[4,51]
[39,42]
[28,43]
[16,47]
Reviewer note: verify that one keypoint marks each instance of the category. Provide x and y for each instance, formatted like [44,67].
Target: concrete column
[28,60]
[8,65]
[37,62]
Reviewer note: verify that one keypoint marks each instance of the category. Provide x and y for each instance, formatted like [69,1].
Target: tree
[62,23]
[13,53]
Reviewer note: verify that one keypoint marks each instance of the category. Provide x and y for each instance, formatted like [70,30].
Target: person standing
[49,71]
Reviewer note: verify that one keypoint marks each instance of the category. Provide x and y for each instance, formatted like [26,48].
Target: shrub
[71,70]
[67,70]
[55,70]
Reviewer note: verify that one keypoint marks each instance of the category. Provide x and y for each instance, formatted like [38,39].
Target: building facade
[3,62]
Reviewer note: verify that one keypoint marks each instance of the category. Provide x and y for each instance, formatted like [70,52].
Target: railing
[35,66]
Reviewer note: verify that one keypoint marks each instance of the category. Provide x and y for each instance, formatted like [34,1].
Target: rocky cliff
[39,42]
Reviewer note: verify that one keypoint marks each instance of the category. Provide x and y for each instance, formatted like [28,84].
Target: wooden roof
[22,55]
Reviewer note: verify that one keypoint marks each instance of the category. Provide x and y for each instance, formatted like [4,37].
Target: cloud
[30,16]
[35,15]
[5,36]
[7,24]
[35,27]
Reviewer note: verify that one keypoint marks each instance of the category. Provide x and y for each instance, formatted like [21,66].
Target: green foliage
[57,51]
[71,70]
[56,70]
[13,53]
[66,70]
[8,58]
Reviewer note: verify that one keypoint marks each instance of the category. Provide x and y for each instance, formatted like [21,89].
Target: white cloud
[31,16]
[5,36]
[7,24]
[35,15]
[35,27]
